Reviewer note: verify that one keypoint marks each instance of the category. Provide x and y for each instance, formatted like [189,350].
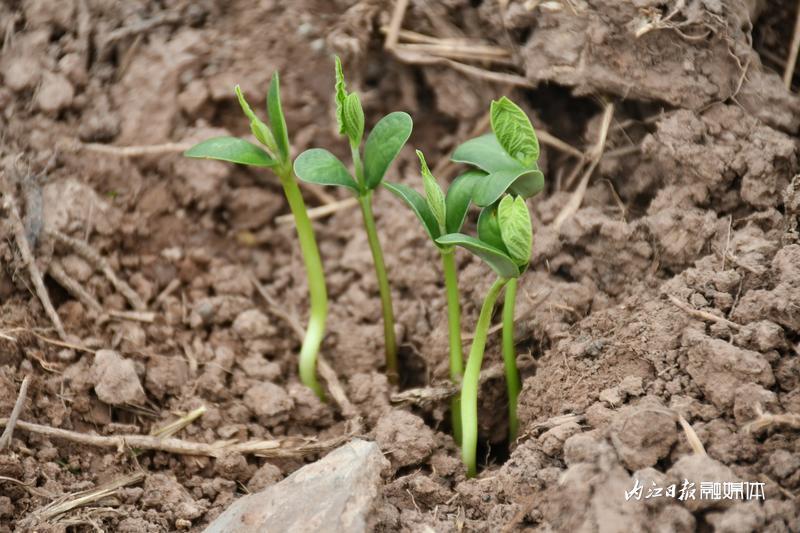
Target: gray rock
[337,494]
[115,379]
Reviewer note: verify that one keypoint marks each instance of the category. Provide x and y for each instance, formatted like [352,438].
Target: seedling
[507,157]
[276,156]
[441,214]
[381,148]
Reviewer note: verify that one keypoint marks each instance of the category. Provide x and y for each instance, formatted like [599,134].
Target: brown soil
[704,211]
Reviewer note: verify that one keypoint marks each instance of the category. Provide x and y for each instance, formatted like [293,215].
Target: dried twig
[74,500]
[788,72]
[30,262]
[426,395]
[99,262]
[72,286]
[766,421]
[136,151]
[336,389]
[5,439]
[691,436]
[290,447]
[396,22]
[320,212]
[594,156]
[174,427]
[702,315]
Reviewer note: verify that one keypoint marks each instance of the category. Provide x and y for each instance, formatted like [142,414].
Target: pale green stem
[510,358]
[318,293]
[472,373]
[454,327]
[390,342]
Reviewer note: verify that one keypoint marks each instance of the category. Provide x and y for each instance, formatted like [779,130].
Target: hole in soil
[412,369]
[772,34]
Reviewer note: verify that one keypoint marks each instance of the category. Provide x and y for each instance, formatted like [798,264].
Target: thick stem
[472,373]
[454,327]
[318,293]
[510,358]
[365,201]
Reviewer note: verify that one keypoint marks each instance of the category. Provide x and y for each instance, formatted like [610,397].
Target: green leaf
[353,118]
[322,167]
[259,129]
[514,131]
[383,144]
[433,193]
[489,229]
[489,189]
[459,196]
[276,118]
[500,262]
[417,204]
[515,227]
[233,150]
[529,184]
[341,94]
[485,153]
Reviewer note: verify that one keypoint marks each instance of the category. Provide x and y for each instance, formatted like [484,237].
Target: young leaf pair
[507,174]
[383,144]
[276,156]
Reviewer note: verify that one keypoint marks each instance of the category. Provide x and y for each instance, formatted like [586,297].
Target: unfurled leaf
[489,229]
[489,189]
[514,131]
[341,94]
[459,196]
[259,129]
[485,153]
[499,261]
[276,118]
[433,193]
[515,228]
[417,204]
[233,150]
[353,118]
[383,144]
[322,167]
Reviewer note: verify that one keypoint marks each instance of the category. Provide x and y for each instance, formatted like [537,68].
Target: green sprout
[441,214]
[383,144]
[507,158]
[276,155]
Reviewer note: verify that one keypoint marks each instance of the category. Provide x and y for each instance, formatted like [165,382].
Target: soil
[674,291]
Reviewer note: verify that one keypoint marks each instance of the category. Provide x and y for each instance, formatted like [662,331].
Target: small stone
[632,386]
[784,463]
[77,267]
[269,402]
[267,475]
[55,93]
[252,324]
[337,493]
[21,73]
[193,97]
[405,438]
[166,375]
[642,436]
[552,440]
[696,468]
[611,396]
[115,379]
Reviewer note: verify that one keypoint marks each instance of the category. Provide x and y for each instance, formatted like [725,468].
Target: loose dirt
[672,293]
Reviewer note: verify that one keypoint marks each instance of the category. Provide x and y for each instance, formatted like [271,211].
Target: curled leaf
[418,205]
[458,198]
[259,129]
[489,228]
[353,118]
[515,228]
[276,118]
[341,94]
[514,131]
[433,193]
